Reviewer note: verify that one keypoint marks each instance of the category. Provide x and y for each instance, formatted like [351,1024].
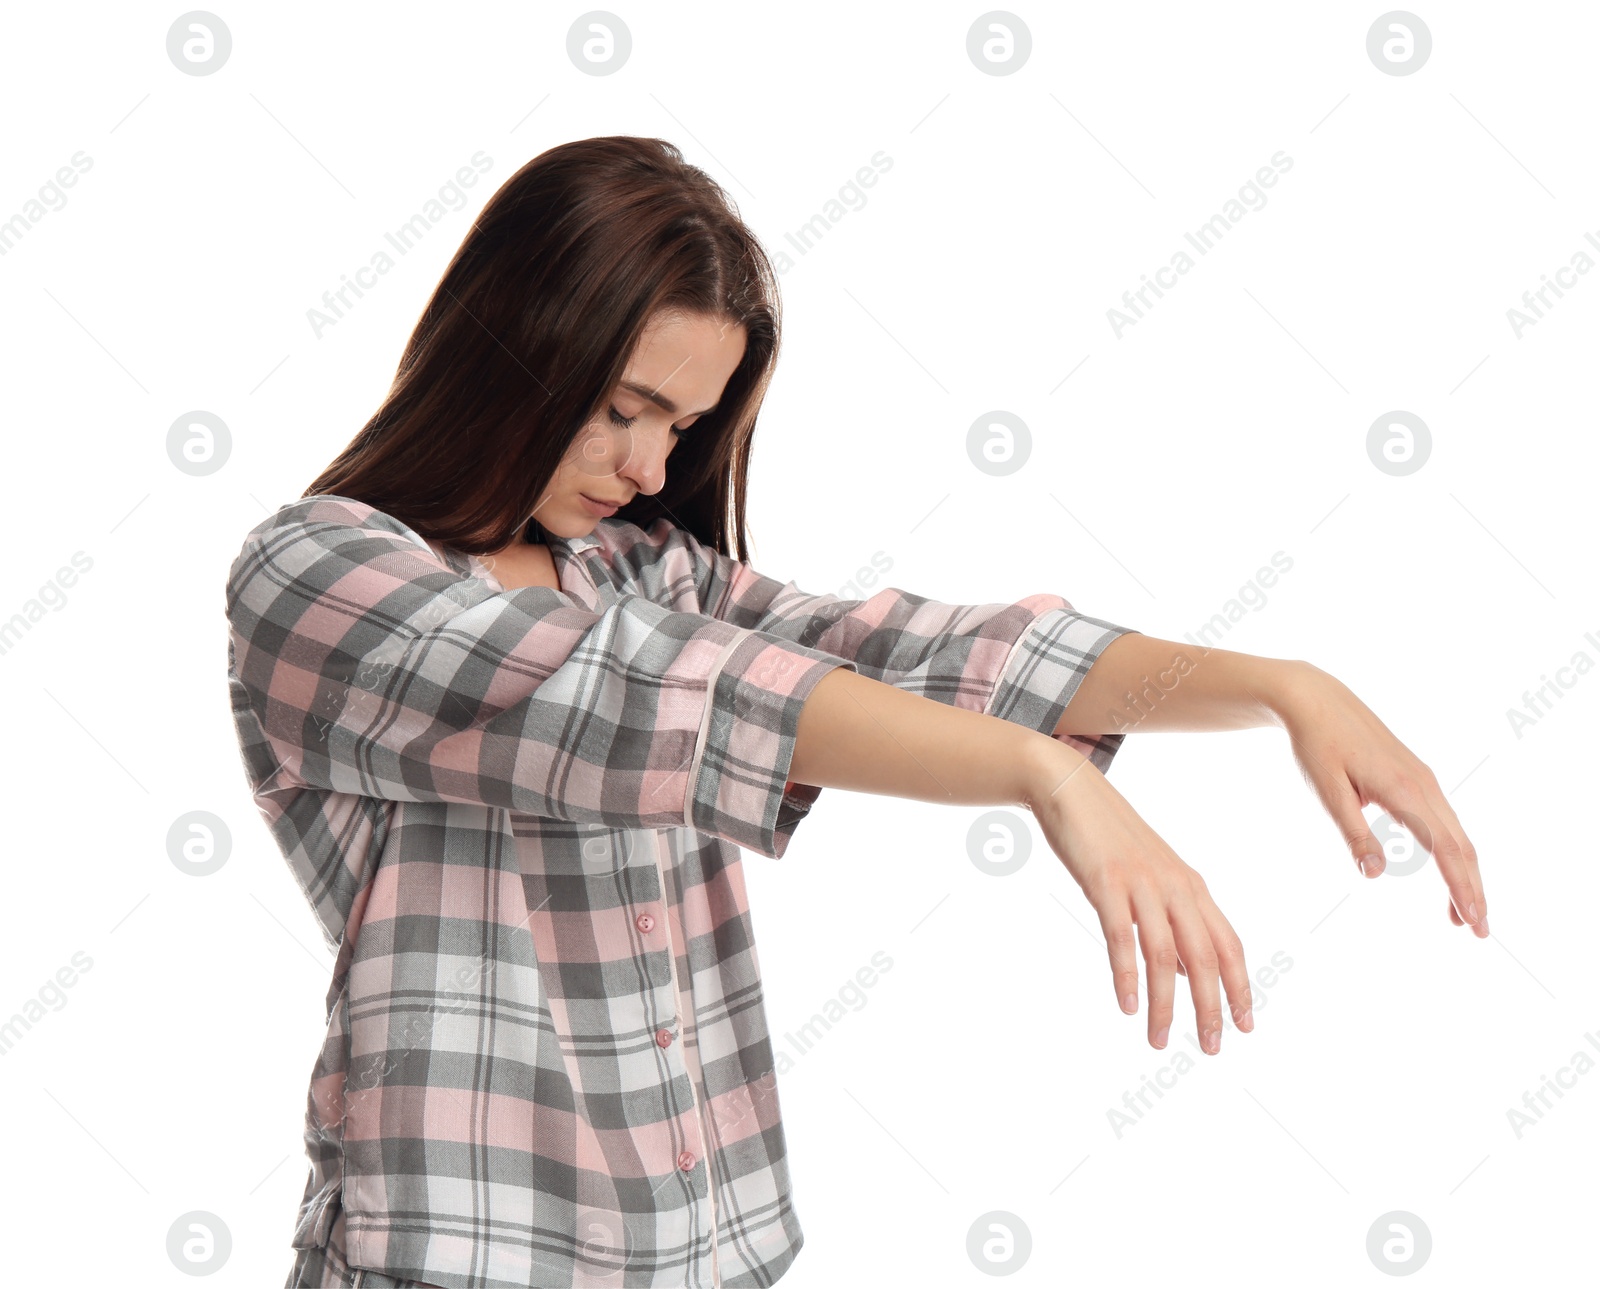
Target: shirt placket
[685,1011]
[586,592]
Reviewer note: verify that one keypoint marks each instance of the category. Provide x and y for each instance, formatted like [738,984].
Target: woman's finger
[1468,853]
[1230,954]
[1160,961]
[1116,924]
[1345,806]
[1407,804]
[1193,938]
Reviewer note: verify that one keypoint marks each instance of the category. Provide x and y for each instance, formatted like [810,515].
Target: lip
[601,509]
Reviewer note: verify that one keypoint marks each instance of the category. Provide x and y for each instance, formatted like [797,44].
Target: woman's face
[675,375]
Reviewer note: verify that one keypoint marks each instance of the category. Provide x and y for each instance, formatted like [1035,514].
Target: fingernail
[1369,865]
[1213,1041]
[1472,913]
[1248,1020]
[1130,1004]
[1484,927]
[1161,1036]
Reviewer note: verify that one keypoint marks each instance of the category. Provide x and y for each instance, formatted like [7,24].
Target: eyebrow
[661,400]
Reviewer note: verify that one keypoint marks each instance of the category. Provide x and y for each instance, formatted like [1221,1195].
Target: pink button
[645,922]
[686,1162]
[663,1037]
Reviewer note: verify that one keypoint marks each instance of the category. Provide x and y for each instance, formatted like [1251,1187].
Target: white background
[1227,424]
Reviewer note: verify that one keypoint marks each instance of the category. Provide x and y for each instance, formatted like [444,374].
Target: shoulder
[303,534]
[325,512]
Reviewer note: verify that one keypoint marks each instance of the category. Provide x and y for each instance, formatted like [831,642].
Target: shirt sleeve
[1021,662]
[374,668]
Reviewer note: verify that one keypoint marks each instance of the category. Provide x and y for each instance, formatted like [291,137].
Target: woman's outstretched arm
[1141,683]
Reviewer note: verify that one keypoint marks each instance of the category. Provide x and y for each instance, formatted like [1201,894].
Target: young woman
[511,709]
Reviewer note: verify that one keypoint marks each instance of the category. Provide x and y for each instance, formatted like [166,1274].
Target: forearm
[868,736]
[1144,684]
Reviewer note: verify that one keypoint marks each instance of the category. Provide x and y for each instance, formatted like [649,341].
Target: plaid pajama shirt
[517,815]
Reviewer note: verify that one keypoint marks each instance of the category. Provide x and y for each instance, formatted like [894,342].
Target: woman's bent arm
[868,736]
[859,733]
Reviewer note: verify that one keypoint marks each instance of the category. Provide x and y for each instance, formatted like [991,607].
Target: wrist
[1286,685]
[1051,770]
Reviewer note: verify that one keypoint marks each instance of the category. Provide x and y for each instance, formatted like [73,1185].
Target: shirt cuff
[1044,670]
[738,781]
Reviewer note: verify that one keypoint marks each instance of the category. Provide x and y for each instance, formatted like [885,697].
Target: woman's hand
[1350,758]
[1132,877]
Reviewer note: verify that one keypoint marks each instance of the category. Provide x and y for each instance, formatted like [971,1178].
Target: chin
[573,522]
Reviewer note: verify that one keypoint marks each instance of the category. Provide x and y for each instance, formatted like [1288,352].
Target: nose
[640,456]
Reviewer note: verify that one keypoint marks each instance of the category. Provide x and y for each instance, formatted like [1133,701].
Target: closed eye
[626,422]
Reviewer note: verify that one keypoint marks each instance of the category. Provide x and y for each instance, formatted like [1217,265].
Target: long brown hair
[530,329]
